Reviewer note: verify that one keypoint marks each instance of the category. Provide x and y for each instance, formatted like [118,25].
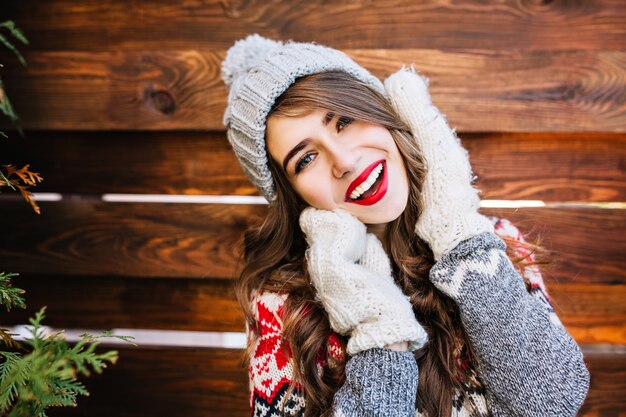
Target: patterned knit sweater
[527,364]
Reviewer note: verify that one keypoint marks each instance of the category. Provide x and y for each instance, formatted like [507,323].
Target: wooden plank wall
[126,97]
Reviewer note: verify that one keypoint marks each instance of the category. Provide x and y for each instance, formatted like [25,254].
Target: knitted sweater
[527,364]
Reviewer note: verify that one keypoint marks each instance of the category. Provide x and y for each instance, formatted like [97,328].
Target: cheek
[404,179]
[316,193]
[318,199]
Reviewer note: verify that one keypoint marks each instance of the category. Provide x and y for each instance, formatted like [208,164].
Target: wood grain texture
[92,302]
[592,313]
[586,244]
[198,240]
[607,392]
[478,90]
[581,167]
[574,167]
[210,382]
[214,24]
[133,239]
[166,382]
[95,163]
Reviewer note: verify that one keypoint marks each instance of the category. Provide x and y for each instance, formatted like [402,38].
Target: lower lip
[379,194]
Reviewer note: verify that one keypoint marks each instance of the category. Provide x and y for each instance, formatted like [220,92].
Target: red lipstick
[376,192]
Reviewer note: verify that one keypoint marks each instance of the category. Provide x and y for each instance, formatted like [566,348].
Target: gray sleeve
[379,382]
[530,364]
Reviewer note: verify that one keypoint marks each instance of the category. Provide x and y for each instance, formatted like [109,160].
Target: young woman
[434,321]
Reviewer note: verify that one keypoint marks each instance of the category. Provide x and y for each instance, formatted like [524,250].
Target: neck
[377,229]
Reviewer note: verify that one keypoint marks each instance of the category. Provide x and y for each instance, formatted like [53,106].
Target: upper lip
[359,180]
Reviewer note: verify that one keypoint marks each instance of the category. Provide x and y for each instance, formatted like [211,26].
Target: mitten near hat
[450,202]
[256,72]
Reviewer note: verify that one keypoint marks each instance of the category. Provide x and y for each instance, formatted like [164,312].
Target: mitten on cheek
[361,298]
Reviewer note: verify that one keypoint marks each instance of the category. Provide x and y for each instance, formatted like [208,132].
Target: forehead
[284,132]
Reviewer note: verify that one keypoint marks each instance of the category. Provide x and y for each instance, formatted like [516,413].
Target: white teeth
[365,185]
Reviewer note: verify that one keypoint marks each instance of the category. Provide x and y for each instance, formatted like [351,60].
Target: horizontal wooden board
[153,24]
[553,168]
[592,313]
[581,167]
[126,239]
[479,90]
[607,392]
[200,240]
[210,382]
[586,244]
[130,162]
[90,302]
[166,382]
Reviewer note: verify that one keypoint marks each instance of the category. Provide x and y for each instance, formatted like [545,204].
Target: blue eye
[306,159]
[343,121]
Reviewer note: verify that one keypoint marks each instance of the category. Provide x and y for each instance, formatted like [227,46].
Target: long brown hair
[274,260]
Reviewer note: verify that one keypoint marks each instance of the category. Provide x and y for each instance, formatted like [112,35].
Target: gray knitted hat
[257,71]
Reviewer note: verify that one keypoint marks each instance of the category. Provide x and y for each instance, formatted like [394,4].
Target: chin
[382,215]
[379,220]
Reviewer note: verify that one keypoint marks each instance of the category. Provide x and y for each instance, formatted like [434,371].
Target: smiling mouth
[369,187]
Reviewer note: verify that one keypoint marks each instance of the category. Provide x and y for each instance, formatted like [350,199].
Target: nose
[343,160]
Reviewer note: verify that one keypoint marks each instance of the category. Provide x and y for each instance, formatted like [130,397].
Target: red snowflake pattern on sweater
[270,364]
[270,370]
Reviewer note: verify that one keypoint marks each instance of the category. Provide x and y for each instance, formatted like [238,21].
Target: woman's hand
[351,273]
[450,203]
[398,347]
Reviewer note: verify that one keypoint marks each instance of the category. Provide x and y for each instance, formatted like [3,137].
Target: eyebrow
[294,151]
[327,118]
[303,143]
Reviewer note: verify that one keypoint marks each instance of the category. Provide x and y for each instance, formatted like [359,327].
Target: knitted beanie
[256,72]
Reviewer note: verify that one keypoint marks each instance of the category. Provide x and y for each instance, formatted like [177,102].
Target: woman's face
[334,162]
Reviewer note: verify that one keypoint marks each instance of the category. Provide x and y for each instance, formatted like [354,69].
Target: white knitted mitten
[351,273]
[450,202]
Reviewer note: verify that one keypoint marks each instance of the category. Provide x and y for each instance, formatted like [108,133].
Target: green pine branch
[3,178]
[11,296]
[48,375]
[7,109]
[12,32]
